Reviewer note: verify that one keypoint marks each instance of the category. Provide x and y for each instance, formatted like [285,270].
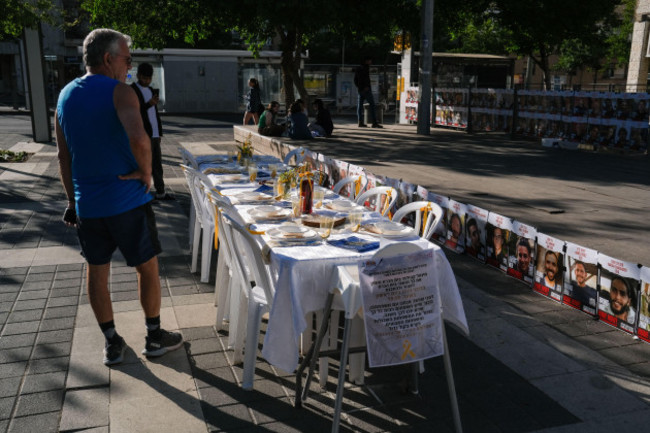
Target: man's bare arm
[128,110]
[65,172]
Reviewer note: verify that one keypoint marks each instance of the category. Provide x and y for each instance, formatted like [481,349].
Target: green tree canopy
[15,15]
[161,23]
[538,28]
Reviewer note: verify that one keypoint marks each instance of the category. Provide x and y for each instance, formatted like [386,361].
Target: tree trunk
[543,59]
[290,66]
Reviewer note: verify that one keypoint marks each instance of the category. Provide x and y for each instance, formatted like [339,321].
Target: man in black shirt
[362,81]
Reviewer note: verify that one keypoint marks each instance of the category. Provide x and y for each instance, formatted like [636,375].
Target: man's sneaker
[376,125]
[164,196]
[362,125]
[161,343]
[114,351]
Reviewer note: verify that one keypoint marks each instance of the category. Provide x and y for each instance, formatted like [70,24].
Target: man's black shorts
[133,232]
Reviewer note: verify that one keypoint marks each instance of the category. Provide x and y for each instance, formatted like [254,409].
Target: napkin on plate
[355,243]
[263,188]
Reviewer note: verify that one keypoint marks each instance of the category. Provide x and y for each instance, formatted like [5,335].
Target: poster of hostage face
[475,222]
[498,230]
[581,278]
[521,258]
[455,238]
[643,329]
[618,293]
[549,267]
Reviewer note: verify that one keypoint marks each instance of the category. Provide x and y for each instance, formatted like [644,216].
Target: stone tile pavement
[529,365]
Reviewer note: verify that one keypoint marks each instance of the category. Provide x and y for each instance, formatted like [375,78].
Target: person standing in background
[254,105]
[149,98]
[362,81]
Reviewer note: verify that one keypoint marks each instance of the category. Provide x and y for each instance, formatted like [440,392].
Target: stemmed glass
[295,205]
[326,225]
[355,219]
[318,196]
[252,172]
[273,168]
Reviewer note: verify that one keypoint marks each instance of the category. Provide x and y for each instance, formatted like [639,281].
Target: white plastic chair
[380,199]
[424,228]
[223,280]
[258,296]
[188,158]
[203,234]
[356,185]
[189,177]
[298,152]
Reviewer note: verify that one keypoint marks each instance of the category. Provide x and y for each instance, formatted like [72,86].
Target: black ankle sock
[108,329]
[153,325]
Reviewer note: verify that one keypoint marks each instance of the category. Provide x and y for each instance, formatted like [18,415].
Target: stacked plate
[341,205]
[292,233]
[389,229]
[269,212]
[232,178]
[252,196]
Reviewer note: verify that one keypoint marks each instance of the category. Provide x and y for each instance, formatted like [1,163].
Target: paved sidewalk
[530,364]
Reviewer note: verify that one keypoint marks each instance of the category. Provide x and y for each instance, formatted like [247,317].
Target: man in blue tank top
[105,166]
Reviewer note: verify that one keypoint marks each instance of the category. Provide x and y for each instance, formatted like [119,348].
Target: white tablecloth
[302,282]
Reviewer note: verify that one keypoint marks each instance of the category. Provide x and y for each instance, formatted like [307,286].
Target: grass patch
[9,156]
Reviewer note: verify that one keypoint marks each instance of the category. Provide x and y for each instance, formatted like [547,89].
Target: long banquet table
[302,272]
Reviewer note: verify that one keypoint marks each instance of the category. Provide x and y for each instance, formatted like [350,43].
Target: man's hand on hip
[145,178]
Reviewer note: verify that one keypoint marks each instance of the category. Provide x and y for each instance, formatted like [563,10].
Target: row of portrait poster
[604,120]
[583,104]
[614,291]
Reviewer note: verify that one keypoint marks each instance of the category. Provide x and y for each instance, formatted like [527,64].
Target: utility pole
[426,52]
[36,85]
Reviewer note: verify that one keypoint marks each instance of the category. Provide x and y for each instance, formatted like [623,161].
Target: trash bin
[379,113]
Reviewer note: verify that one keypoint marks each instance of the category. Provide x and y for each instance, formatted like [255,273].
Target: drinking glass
[355,219]
[252,172]
[318,196]
[326,225]
[295,205]
[273,168]
[231,156]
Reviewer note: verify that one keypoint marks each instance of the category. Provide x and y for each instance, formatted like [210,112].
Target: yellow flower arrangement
[245,150]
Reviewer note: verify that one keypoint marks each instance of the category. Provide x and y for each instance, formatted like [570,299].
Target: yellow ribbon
[425,213]
[254,232]
[216,222]
[407,350]
[386,202]
[357,186]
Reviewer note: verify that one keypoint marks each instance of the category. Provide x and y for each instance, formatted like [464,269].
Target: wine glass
[273,168]
[326,225]
[295,205]
[252,172]
[355,219]
[318,195]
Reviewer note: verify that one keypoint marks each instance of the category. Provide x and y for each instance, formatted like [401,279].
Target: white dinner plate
[391,229]
[342,205]
[232,178]
[269,212]
[252,196]
[292,233]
